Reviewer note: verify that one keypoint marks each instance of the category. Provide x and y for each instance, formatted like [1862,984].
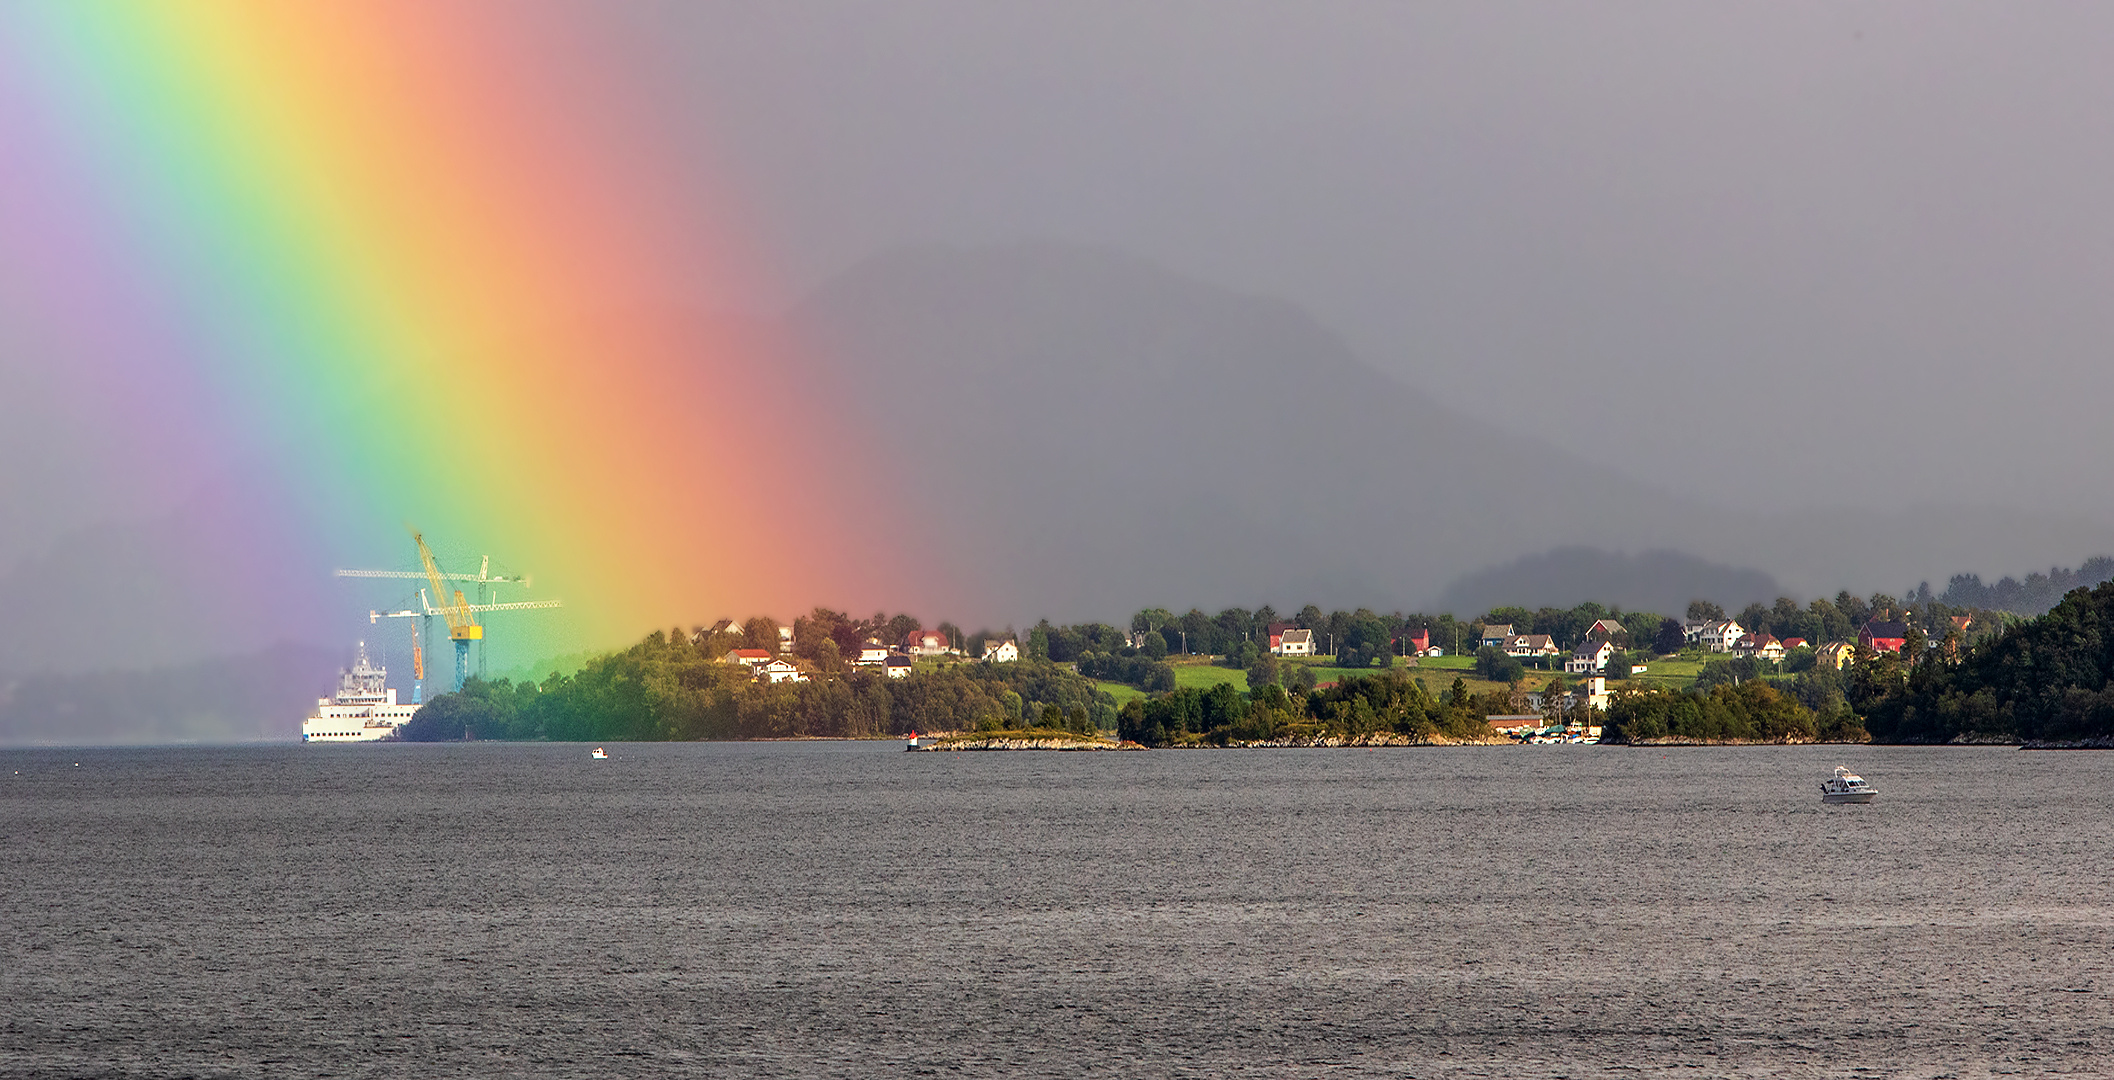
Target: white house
[899,667]
[778,671]
[1759,646]
[1722,636]
[1295,643]
[1000,652]
[871,654]
[1591,693]
[747,657]
[1590,656]
[1528,646]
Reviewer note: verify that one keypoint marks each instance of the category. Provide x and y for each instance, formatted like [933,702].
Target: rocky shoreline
[1332,742]
[1004,743]
[2101,742]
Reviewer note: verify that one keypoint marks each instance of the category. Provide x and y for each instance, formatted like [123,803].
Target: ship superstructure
[364,709]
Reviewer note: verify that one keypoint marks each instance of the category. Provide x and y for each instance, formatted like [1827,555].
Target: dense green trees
[2051,678]
[1752,711]
[1388,701]
[1494,664]
[669,687]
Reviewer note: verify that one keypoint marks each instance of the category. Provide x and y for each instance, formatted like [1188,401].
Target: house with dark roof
[1883,635]
[1531,646]
[1835,654]
[1759,646]
[1590,656]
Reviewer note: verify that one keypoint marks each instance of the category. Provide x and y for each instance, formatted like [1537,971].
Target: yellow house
[1835,654]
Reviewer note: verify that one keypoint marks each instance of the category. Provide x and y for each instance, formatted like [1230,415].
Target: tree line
[674,687]
[1390,701]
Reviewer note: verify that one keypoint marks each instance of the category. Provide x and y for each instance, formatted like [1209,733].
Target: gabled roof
[917,637]
[1296,634]
[1592,647]
[1497,630]
[901,661]
[752,654]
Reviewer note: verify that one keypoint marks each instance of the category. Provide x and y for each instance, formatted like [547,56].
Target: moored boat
[1846,787]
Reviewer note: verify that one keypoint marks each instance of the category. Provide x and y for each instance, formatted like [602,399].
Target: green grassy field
[1122,692]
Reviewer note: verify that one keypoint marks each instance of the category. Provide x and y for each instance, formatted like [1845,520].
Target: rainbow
[414,261]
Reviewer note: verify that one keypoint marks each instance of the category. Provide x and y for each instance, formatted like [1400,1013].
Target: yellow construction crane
[460,613]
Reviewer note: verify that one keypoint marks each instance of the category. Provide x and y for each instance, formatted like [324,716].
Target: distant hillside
[1661,581]
[262,695]
[1081,434]
[2036,594]
[1084,434]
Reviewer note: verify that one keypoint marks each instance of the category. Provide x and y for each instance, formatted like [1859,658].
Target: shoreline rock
[2097,742]
[998,743]
[1344,742]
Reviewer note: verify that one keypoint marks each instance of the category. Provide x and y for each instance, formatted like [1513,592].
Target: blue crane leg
[462,663]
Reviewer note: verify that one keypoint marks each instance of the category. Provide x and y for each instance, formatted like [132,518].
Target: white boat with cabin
[1846,787]
[363,710]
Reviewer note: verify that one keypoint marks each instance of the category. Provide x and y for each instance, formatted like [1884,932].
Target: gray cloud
[1863,249]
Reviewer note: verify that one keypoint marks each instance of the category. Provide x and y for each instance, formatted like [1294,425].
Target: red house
[927,643]
[1883,636]
[1417,641]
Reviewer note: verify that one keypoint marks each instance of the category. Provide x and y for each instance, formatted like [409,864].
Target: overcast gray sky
[1767,253]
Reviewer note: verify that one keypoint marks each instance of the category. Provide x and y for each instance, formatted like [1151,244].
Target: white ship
[365,709]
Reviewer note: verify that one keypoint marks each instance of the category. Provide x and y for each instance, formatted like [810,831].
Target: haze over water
[831,909]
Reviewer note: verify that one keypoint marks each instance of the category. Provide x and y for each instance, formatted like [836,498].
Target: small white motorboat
[599,754]
[1846,787]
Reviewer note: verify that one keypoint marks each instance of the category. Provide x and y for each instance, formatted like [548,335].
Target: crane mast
[463,627]
[457,610]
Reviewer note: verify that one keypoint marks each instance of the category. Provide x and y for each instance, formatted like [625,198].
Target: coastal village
[1581,694]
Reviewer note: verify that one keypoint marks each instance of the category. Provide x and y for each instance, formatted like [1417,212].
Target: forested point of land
[2050,679]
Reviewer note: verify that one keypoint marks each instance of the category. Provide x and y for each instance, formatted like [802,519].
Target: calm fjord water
[843,909]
